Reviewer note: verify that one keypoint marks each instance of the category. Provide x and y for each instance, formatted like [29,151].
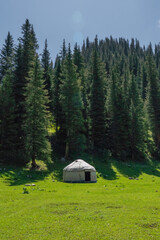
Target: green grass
[115,207]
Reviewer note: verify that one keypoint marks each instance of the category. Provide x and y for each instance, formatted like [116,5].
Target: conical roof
[79,165]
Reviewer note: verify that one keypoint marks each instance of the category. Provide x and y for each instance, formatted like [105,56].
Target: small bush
[25,190]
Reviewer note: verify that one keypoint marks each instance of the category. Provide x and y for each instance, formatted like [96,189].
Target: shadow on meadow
[23,175]
[106,169]
[134,169]
[102,166]
[19,176]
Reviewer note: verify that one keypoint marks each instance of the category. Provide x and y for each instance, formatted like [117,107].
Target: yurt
[79,172]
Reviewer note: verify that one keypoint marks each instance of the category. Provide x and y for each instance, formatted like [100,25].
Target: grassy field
[124,204]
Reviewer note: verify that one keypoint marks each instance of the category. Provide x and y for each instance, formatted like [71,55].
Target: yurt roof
[79,165]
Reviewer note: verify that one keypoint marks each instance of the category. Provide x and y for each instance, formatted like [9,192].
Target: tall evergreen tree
[82,75]
[97,102]
[118,108]
[23,61]
[7,56]
[18,91]
[71,106]
[138,130]
[47,74]
[63,51]
[36,122]
[78,59]
[153,99]
[57,108]
[7,117]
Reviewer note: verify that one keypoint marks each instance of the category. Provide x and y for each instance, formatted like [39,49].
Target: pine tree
[97,102]
[153,99]
[63,51]
[57,108]
[18,92]
[78,59]
[118,111]
[79,62]
[24,57]
[47,74]
[138,130]
[36,122]
[7,56]
[71,106]
[7,124]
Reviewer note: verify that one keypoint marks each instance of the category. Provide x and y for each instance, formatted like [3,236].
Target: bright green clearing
[115,207]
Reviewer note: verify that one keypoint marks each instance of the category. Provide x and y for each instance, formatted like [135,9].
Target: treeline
[104,98]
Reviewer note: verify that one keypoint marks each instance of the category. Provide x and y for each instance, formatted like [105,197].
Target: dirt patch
[114,207]
[150,225]
[59,212]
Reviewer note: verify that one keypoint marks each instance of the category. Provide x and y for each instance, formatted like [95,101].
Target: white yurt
[79,172]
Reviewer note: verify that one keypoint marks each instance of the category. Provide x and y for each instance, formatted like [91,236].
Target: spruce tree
[7,117]
[57,108]
[24,57]
[72,106]
[63,51]
[7,56]
[82,75]
[78,59]
[47,73]
[18,91]
[97,103]
[153,99]
[118,111]
[138,127]
[36,122]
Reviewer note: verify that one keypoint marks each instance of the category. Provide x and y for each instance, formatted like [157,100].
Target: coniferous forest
[101,98]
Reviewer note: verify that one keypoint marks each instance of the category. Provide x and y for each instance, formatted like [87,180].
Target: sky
[74,20]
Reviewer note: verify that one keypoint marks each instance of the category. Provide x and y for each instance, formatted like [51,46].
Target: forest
[102,98]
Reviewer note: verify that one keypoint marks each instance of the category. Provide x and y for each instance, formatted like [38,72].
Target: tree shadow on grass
[102,166]
[134,169]
[105,170]
[57,169]
[20,176]
[14,176]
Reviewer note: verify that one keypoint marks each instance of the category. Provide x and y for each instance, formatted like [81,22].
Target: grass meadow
[124,204]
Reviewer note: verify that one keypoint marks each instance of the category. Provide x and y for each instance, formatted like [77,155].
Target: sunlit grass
[124,204]
[51,129]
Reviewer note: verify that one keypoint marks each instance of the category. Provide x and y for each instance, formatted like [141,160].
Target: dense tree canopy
[105,97]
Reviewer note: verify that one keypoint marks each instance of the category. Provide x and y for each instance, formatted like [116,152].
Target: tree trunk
[34,164]
[67,146]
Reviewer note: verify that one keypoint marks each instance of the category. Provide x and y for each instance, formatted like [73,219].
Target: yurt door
[87,176]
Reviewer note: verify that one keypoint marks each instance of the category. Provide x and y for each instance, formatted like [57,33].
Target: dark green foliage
[78,59]
[82,75]
[23,62]
[138,127]
[7,56]
[47,74]
[7,117]
[18,91]
[36,122]
[118,111]
[57,108]
[72,106]
[104,98]
[63,51]
[97,102]
[29,45]
[153,99]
